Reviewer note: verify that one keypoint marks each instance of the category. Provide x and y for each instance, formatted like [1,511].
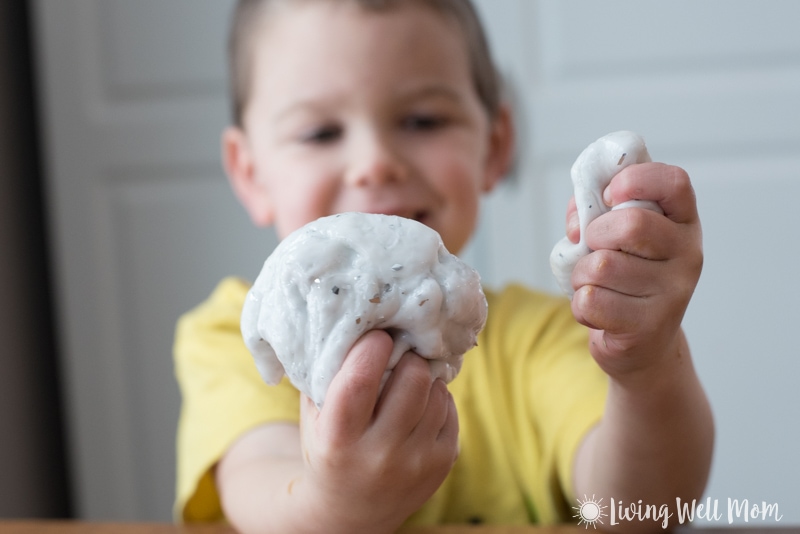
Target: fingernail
[607,196]
[573,223]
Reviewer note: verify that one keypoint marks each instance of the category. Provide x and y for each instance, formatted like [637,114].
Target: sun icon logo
[590,511]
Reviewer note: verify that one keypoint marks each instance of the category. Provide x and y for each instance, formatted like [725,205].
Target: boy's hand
[634,288]
[372,461]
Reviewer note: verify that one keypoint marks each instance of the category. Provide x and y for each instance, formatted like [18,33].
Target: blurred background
[115,217]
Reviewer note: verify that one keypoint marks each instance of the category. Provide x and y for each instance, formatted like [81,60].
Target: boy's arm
[654,442]
[256,473]
[656,437]
[363,463]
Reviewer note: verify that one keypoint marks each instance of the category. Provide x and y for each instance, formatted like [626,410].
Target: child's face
[353,110]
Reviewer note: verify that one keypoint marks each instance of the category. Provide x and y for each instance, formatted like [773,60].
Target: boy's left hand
[634,288]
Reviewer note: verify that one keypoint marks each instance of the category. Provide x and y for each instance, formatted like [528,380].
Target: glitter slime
[338,277]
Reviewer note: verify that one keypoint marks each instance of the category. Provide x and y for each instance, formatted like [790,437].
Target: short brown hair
[248,15]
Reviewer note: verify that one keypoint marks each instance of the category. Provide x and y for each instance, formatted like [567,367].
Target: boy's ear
[501,148]
[239,164]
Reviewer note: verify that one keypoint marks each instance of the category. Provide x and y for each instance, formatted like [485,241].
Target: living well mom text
[710,510]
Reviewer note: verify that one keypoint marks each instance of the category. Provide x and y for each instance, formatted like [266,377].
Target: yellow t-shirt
[526,395]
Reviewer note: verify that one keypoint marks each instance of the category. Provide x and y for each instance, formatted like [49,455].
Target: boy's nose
[376,162]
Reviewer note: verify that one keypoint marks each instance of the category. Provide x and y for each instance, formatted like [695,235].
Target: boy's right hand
[372,461]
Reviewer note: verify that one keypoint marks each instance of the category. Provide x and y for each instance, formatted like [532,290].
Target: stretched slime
[591,173]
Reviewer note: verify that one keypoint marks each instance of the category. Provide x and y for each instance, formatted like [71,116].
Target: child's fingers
[353,393]
[448,435]
[623,273]
[668,185]
[437,431]
[573,223]
[435,415]
[639,232]
[440,424]
[601,308]
[405,397]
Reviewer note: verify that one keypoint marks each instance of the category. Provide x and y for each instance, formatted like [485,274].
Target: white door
[143,222]
[144,225]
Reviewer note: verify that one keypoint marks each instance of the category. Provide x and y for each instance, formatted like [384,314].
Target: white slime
[334,279]
[591,174]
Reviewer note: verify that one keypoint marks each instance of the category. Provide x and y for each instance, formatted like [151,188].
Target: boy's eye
[322,135]
[424,122]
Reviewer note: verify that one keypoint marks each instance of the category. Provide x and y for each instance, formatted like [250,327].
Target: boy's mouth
[420,215]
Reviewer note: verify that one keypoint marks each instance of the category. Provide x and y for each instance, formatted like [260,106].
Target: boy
[393,107]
